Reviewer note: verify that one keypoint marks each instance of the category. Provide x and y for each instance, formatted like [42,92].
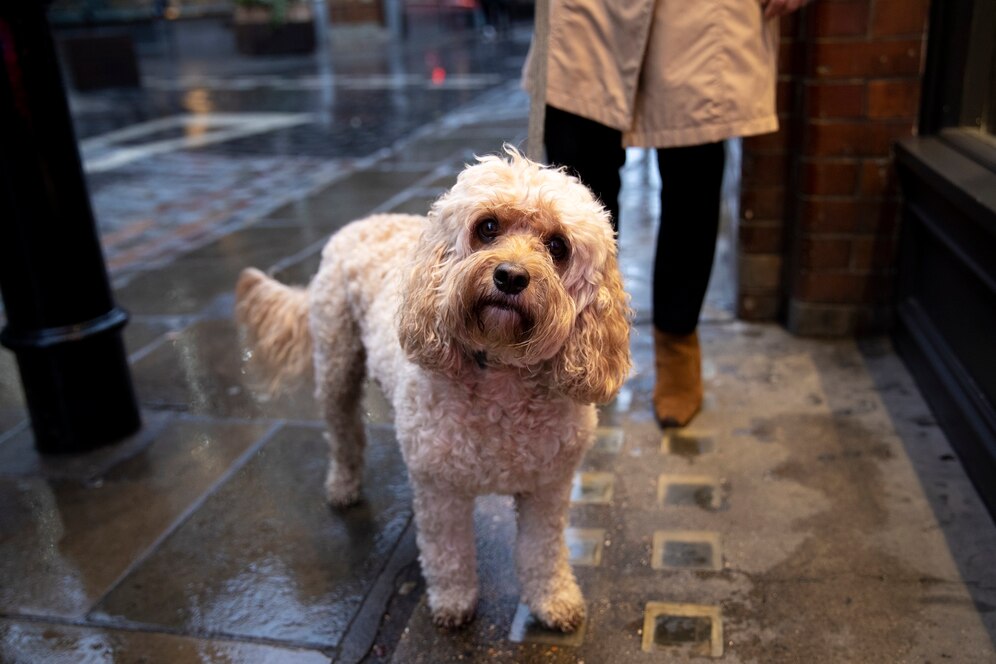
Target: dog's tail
[275,317]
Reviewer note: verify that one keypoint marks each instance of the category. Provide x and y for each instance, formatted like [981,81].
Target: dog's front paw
[563,611]
[451,612]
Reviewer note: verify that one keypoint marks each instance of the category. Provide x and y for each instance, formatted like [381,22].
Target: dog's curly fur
[493,390]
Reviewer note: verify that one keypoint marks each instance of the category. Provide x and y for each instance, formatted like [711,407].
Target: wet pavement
[813,512]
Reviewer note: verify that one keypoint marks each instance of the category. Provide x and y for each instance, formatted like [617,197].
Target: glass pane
[978,108]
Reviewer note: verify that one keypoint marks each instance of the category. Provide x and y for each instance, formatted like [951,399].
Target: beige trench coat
[664,72]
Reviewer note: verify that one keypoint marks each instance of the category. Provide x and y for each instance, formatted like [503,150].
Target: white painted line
[101,153]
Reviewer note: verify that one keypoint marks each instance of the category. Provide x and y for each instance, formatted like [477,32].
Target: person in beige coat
[681,77]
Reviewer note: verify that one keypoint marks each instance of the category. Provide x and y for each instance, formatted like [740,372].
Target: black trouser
[691,180]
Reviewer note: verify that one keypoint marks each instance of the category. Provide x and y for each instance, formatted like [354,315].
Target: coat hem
[590,109]
[701,134]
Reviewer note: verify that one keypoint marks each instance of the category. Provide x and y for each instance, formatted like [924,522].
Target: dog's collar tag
[481,358]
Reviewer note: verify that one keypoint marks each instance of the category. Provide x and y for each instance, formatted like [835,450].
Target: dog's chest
[494,436]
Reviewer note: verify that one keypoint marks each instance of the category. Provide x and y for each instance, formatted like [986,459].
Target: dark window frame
[946,286]
[959,83]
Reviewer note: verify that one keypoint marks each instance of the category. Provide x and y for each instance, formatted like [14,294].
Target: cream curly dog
[493,326]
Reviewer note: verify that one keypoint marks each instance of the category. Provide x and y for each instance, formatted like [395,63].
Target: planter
[258,33]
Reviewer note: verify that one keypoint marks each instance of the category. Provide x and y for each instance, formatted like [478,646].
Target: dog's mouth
[496,312]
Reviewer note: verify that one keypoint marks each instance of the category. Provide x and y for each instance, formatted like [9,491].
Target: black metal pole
[62,322]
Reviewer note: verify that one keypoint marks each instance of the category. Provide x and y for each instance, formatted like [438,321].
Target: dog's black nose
[511,278]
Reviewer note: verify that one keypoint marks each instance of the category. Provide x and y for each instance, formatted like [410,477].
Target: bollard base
[77,386]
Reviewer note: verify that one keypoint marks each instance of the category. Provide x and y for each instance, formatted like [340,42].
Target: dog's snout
[511,278]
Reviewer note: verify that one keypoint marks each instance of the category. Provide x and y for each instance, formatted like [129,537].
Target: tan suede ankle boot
[678,390]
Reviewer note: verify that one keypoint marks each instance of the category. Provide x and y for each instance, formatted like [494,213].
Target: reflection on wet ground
[214,140]
[807,516]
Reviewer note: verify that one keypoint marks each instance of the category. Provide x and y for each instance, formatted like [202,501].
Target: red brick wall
[765,201]
[819,207]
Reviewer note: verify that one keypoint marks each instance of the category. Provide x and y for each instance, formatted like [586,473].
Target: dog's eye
[488,229]
[558,248]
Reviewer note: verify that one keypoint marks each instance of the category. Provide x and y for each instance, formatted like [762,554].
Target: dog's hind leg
[339,374]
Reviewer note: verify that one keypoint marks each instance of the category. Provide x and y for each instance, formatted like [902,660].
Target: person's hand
[773,8]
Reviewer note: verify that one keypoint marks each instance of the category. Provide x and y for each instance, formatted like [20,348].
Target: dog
[493,326]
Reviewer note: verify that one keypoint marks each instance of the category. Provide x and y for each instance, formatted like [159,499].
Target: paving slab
[24,642]
[265,557]
[64,543]
[191,283]
[301,271]
[139,333]
[19,458]
[417,204]
[348,199]
[202,369]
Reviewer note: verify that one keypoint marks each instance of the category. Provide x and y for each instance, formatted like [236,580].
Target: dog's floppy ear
[420,316]
[595,361]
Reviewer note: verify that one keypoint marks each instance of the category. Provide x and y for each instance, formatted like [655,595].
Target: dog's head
[517,268]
